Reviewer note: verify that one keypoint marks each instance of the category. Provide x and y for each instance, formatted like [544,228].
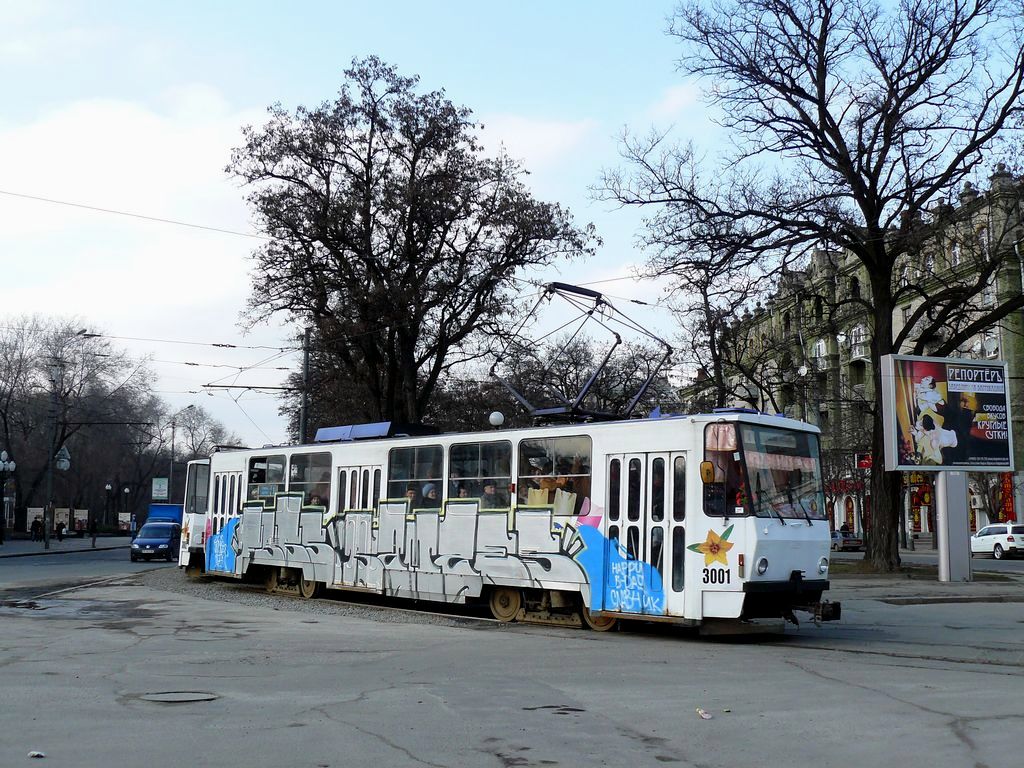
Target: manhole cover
[178,697]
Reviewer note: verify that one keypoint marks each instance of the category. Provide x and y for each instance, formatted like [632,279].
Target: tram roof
[368,433]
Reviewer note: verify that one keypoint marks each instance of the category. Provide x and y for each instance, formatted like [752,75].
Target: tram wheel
[598,623]
[506,603]
[307,588]
[272,580]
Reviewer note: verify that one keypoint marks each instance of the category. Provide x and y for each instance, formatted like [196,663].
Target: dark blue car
[157,539]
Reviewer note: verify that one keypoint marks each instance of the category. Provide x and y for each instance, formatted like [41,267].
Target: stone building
[809,345]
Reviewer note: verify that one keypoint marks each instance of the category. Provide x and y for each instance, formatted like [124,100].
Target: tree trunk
[886,487]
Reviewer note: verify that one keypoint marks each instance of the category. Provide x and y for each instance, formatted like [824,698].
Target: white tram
[683,518]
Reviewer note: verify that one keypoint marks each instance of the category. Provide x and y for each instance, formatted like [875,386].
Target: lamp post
[6,467]
[131,516]
[170,474]
[106,507]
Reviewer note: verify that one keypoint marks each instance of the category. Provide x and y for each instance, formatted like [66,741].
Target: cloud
[131,277]
[541,144]
[675,101]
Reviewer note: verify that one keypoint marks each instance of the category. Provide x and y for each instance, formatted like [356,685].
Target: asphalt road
[150,669]
[19,575]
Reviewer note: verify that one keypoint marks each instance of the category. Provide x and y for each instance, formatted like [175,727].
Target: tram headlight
[762,566]
[823,565]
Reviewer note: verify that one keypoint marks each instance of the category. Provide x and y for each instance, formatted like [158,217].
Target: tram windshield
[197,483]
[776,474]
[783,472]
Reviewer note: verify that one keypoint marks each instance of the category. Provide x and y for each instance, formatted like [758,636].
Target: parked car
[844,541]
[157,539]
[999,540]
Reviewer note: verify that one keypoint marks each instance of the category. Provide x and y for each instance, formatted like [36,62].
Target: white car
[999,540]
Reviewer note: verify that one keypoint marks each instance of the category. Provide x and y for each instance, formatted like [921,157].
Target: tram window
[613,532]
[481,471]
[658,490]
[216,494]
[633,490]
[376,487]
[310,475]
[412,470]
[366,489]
[266,478]
[633,542]
[678,552]
[614,485]
[727,495]
[353,497]
[555,471]
[231,497]
[679,489]
[342,487]
[657,546]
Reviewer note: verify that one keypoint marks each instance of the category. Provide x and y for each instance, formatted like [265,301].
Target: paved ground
[979,563]
[908,676]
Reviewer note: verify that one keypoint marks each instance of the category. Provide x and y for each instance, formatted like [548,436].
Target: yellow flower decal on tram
[715,547]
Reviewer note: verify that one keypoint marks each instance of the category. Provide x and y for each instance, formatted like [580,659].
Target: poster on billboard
[160,488]
[946,414]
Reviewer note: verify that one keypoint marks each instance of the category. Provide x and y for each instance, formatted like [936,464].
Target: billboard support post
[951,520]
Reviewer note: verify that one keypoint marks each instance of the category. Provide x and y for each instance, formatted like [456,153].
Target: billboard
[159,489]
[946,413]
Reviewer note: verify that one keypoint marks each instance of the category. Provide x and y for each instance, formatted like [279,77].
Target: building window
[858,373]
[854,287]
[984,242]
[908,312]
[859,345]
[818,353]
[990,343]
[955,254]
[988,295]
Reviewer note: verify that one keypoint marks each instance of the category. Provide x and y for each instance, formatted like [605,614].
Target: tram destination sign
[944,413]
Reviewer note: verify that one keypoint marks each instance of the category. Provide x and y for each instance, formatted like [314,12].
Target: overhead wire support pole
[304,407]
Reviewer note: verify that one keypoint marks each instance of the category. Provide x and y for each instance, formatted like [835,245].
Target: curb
[63,551]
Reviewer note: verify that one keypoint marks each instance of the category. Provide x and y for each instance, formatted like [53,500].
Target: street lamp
[6,467]
[170,474]
[106,509]
[131,525]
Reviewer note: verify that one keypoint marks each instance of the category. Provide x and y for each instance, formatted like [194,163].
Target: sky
[135,107]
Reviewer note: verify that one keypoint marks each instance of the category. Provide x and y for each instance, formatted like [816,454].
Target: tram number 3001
[717,576]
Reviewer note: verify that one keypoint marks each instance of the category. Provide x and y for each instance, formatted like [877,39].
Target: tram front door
[646,533]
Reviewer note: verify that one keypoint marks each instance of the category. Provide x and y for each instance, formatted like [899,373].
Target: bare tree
[851,122]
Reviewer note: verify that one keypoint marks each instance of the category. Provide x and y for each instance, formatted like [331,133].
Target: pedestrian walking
[36,529]
[60,531]
[92,531]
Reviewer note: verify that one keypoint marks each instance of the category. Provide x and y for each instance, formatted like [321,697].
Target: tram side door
[637,531]
[664,540]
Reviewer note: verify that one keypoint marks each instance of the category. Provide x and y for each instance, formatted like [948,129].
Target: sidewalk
[29,548]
